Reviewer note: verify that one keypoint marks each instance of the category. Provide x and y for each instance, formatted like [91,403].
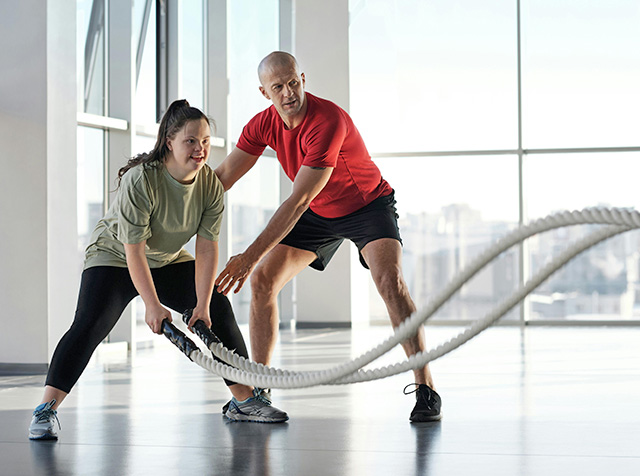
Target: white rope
[252,373]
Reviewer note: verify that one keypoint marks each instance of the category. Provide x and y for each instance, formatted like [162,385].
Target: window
[438,75]
[581,71]
[435,94]
[450,210]
[90,182]
[192,40]
[91,56]
[252,34]
[601,283]
[145,92]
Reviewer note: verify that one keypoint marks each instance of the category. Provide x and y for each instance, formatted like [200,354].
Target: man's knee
[390,284]
[262,285]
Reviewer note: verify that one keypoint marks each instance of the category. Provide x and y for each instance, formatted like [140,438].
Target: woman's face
[188,150]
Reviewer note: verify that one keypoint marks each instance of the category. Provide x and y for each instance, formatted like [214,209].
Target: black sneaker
[428,403]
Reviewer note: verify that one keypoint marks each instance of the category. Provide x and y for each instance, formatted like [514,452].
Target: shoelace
[426,398]
[263,399]
[416,385]
[45,415]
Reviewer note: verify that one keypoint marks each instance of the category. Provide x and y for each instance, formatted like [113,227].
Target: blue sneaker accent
[42,424]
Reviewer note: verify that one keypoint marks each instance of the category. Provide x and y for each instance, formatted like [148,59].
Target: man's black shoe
[428,403]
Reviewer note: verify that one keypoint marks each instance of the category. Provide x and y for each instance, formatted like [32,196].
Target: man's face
[284,87]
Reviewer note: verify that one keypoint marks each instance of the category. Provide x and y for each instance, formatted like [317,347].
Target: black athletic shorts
[323,236]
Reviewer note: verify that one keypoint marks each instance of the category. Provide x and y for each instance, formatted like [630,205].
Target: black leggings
[105,292]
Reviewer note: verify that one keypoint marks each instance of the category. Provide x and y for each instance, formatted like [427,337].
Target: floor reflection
[514,403]
[427,439]
[44,458]
[250,451]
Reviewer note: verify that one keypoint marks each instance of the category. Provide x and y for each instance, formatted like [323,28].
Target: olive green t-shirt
[151,205]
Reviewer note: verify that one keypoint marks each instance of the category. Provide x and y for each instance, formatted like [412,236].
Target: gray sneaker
[42,424]
[265,392]
[256,409]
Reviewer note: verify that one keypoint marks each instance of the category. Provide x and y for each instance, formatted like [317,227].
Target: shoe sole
[426,419]
[251,419]
[45,436]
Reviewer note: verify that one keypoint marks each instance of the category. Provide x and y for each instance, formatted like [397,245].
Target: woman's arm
[206,267]
[140,273]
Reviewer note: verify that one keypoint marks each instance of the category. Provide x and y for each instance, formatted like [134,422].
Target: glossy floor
[544,401]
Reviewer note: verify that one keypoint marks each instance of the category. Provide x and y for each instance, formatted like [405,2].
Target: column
[338,296]
[39,273]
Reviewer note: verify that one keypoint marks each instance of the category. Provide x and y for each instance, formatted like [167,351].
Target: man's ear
[264,92]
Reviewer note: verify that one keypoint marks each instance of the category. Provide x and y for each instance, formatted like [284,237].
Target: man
[338,193]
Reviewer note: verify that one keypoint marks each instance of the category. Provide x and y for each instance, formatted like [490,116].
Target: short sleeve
[253,140]
[211,220]
[134,209]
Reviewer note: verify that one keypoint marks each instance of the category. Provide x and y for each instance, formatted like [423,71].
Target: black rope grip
[178,338]
[201,329]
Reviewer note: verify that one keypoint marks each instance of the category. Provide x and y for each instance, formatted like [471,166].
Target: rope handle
[201,330]
[179,339]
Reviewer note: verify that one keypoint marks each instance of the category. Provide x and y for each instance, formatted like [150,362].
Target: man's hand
[154,316]
[235,272]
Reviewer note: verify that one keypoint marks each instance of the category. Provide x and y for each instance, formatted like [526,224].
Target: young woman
[164,198]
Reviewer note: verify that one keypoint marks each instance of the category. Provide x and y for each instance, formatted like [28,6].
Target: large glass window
[581,71]
[91,80]
[145,96]
[450,210]
[601,283]
[90,183]
[441,77]
[255,199]
[252,34]
[437,75]
[192,41]
[91,56]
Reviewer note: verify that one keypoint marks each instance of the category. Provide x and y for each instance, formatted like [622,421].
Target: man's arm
[237,163]
[308,183]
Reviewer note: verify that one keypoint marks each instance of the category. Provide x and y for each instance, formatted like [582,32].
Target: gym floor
[542,401]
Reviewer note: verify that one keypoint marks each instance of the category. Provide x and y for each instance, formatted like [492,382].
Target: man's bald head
[274,61]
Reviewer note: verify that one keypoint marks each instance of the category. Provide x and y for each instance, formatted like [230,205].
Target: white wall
[38,259]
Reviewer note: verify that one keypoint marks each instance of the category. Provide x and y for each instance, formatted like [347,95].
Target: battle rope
[244,371]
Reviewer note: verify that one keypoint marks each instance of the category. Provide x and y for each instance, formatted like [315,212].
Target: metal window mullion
[174,55]
[106,163]
[524,152]
[161,58]
[522,247]
[205,50]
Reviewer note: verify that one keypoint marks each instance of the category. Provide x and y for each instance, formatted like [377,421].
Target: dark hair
[178,114]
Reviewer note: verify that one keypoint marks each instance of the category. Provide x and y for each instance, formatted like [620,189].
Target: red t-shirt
[327,137]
